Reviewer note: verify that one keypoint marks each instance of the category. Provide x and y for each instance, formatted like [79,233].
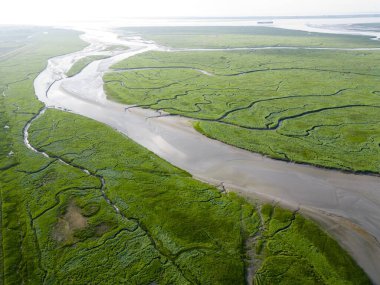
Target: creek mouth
[347,205]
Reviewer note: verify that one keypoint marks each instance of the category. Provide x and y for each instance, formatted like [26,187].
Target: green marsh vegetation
[82,63]
[320,107]
[79,65]
[185,231]
[58,227]
[116,48]
[14,39]
[225,37]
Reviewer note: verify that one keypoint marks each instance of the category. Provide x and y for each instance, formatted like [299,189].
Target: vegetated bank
[82,63]
[246,36]
[319,107]
[59,224]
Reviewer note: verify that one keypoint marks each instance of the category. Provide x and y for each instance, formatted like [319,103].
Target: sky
[54,11]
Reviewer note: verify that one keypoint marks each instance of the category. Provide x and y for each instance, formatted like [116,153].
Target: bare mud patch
[102,228]
[70,222]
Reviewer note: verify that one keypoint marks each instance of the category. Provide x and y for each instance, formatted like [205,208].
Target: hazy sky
[50,11]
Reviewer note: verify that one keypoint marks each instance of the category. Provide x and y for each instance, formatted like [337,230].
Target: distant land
[271,17]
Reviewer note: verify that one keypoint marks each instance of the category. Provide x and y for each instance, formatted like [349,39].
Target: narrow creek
[58,76]
[86,171]
[347,205]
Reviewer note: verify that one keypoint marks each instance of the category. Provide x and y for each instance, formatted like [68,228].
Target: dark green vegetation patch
[60,224]
[309,106]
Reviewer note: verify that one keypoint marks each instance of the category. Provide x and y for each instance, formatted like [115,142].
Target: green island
[79,65]
[320,107]
[103,210]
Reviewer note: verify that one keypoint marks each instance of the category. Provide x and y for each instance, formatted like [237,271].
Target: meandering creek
[347,205]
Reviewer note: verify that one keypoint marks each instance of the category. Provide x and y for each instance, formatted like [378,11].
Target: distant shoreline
[371,15]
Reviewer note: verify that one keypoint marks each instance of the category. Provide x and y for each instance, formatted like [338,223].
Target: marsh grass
[82,63]
[308,106]
[58,228]
[225,37]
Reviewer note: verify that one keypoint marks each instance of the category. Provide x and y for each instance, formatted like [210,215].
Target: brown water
[347,205]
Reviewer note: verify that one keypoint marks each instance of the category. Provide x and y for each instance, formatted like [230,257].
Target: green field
[13,39]
[82,63]
[224,37]
[57,226]
[320,107]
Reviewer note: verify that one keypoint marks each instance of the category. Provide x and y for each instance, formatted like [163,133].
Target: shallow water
[330,26]
[347,205]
